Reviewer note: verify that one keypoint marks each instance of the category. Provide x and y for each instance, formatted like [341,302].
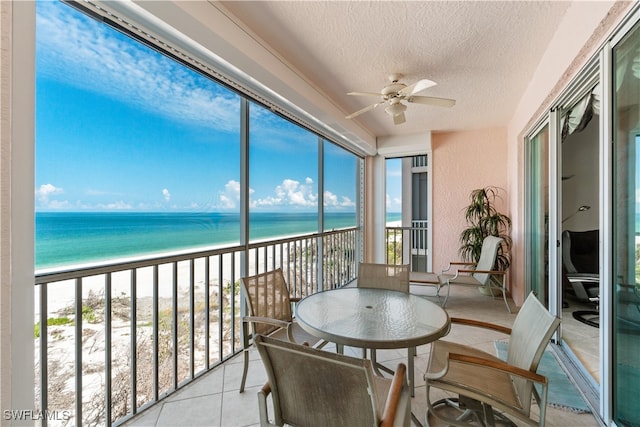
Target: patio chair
[382,276]
[269,312]
[480,274]
[484,382]
[580,261]
[309,387]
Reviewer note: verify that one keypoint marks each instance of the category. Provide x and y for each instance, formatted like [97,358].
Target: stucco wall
[463,162]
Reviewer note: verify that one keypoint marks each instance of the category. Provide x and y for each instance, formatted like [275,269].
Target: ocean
[66,238]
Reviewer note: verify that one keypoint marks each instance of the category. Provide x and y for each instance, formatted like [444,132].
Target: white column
[17,68]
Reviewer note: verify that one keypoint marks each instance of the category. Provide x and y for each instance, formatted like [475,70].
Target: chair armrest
[583,277]
[483,271]
[465,271]
[398,382]
[274,322]
[481,324]
[452,263]
[267,320]
[500,366]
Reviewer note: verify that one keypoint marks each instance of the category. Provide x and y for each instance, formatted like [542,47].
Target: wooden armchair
[269,313]
[309,387]
[484,382]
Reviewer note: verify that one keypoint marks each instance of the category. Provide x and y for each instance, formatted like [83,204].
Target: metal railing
[114,338]
[408,245]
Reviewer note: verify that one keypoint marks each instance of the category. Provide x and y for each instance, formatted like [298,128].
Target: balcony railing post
[44,360]
[192,320]
[155,324]
[134,340]
[207,313]
[107,348]
[78,352]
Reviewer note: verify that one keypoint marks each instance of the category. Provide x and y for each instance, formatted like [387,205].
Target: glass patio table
[374,319]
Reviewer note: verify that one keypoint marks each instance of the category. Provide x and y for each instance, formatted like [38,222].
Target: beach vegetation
[89,314]
[394,246]
[52,321]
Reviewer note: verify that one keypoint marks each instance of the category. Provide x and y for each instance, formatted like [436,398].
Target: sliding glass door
[626,211]
[538,207]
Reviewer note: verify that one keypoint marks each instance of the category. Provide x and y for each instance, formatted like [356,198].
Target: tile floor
[214,398]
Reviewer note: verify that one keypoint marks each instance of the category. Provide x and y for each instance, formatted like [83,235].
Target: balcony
[181,313]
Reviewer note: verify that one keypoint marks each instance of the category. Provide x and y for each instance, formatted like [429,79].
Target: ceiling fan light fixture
[396,91]
[395,108]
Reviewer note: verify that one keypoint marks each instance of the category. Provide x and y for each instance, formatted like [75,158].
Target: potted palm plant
[483,219]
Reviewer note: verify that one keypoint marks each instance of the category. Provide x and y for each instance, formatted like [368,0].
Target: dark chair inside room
[580,259]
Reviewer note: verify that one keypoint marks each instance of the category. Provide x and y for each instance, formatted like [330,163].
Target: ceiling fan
[395,92]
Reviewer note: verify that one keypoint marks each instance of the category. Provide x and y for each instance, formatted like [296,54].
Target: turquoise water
[64,238]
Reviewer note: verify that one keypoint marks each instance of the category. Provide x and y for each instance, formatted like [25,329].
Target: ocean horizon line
[149,256]
[65,240]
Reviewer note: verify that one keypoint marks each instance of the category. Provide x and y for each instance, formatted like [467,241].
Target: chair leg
[245,353]
[504,294]
[446,298]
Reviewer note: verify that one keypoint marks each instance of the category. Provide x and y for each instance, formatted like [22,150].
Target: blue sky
[120,127]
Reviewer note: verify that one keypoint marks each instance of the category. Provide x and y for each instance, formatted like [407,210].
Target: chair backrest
[267,295]
[488,255]
[530,334]
[384,276]
[312,387]
[580,251]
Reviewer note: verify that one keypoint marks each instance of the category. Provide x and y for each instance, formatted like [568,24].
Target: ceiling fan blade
[364,110]
[399,119]
[430,100]
[365,94]
[418,86]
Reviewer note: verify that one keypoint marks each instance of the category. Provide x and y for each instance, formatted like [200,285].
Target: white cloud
[226,202]
[347,202]
[229,198]
[58,204]
[393,203]
[46,190]
[166,194]
[118,205]
[290,193]
[128,71]
[44,193]
[232,187]
[332,200]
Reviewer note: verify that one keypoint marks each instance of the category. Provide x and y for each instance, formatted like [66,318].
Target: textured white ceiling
[480,53]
